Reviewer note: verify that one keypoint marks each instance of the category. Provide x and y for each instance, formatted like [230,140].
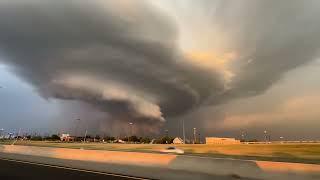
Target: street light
[167,135]
[131,125]
[281,139]
[243,136]
[85,136]
[194,136]
[265,135]
[183,132]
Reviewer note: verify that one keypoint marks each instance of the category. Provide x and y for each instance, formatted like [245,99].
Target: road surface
[27,167]
[12,169]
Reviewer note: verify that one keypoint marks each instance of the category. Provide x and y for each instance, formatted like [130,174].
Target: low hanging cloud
[137,62]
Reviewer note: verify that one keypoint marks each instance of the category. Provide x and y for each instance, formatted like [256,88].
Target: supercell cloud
[120,57]
[145,61]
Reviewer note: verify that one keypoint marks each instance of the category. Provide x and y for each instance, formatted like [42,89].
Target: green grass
[302,153]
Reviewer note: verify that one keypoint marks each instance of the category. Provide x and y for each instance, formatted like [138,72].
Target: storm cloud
[142,62]
[275,37]
[117,56]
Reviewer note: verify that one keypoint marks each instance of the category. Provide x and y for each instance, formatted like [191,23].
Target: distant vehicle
[172,149]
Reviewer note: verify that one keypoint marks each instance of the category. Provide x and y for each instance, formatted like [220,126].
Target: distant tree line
[106,139]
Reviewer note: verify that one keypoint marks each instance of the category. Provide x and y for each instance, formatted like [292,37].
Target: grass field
[304,153]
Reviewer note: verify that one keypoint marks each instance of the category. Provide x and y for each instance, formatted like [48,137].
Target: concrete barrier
[205,165]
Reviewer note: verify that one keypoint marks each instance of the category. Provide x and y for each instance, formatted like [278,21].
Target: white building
[178,140]
[65,137]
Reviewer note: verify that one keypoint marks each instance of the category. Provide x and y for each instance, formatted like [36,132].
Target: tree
[145,140]
[109,138]
[164,140]
[36,138]
[55,137]
[133,139]
[124,139]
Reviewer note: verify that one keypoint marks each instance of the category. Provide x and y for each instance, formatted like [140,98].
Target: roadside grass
[301,153]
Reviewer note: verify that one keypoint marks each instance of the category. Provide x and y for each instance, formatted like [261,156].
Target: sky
[225,67]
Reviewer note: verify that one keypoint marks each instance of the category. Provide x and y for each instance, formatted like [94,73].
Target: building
[119,141]
[218,140]
[66,137]
[178,140]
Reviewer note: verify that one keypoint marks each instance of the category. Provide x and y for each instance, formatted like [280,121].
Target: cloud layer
[117,56]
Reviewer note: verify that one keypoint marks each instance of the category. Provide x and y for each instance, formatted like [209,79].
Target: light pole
[1,133]
[183,132]
[194,136]
[167,136]
[85,136]
[243,136]
[76,127]
[265,136]
[131,125]
[167,132]
[281,139]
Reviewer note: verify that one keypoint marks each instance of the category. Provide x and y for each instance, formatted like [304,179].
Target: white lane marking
[73,169]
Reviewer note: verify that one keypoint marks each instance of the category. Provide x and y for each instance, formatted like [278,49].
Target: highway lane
[12,169]
[88,166]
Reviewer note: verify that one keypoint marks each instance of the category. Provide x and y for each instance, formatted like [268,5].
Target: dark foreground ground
[18,170]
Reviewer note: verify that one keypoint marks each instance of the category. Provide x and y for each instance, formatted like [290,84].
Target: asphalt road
[11,169]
